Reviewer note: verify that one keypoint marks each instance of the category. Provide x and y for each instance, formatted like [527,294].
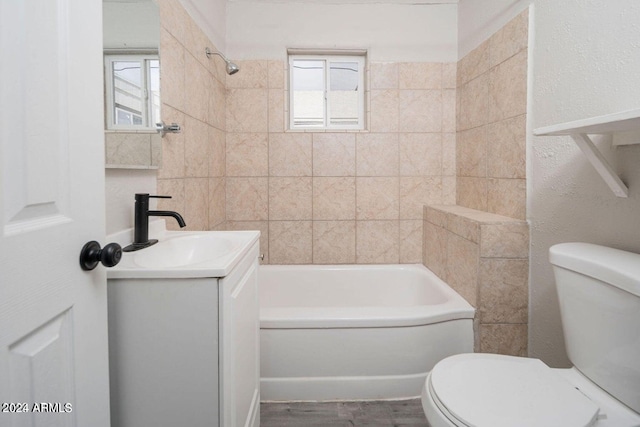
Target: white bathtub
[356,331]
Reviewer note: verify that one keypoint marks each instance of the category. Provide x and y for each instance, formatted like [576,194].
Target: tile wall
[491,123]
[484,257]
[193,96]
[340,197]
[132,149]
[481,245]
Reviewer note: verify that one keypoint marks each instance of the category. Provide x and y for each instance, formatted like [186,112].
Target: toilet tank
[599,295]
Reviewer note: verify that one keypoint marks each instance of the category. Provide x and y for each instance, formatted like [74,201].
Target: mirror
[131,34]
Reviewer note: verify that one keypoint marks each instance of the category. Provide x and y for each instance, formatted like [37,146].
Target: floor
[392,413]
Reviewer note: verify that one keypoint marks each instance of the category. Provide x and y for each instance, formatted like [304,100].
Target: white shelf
[625,121]
[625,124]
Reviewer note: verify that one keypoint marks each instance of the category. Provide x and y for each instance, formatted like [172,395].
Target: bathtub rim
[456,307]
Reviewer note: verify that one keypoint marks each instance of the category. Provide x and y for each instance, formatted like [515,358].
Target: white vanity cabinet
[184,350]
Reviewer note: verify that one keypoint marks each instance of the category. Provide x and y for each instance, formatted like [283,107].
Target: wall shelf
[623,126]
[625,121]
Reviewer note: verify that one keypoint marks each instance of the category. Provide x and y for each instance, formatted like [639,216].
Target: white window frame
[329,58]
[144,59]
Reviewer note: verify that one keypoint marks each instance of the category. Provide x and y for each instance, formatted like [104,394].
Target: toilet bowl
[599,295]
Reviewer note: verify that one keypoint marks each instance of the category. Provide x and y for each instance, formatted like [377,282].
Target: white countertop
[158,261]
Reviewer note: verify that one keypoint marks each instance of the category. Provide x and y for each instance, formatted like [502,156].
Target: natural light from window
[327,92]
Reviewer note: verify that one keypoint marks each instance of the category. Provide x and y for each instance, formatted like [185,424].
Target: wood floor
[395,413]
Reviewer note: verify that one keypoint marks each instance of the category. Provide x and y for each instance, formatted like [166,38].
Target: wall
[483,257]
[491,123]
[344,197]
[124,23]
[193,96]
[478,20]
[391,32]
[120,188]
[210,16]
[480,246]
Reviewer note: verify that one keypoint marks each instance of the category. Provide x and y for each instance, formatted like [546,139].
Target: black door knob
[91,255]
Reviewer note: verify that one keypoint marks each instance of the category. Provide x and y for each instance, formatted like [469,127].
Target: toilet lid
[481,390]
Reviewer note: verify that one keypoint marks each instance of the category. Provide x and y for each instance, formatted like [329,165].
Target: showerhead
[231,68]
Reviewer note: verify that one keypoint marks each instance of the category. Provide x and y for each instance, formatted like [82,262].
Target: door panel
[41,369]
[53,327]
[34,106]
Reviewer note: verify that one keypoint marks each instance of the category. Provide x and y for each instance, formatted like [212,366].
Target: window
[327,92]
[133,91]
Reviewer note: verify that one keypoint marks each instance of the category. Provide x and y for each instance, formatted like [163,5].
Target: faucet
[141,222]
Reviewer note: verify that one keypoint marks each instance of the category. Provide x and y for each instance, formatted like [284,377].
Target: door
[53,315]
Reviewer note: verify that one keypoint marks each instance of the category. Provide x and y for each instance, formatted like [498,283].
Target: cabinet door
[239,338]
[163,352]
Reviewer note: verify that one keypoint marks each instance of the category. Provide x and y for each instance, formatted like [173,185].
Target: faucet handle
[144,197]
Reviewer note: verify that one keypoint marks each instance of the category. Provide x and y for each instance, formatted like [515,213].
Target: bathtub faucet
[141,222]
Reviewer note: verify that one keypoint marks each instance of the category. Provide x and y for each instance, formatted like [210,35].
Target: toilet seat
[488,390]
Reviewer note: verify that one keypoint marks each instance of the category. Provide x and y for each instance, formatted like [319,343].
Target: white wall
[131,25]
[210,15]
[478,20]
[121,186]
[391,32]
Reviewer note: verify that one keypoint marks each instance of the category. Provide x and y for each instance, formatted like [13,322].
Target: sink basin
[183,254]
[184,251]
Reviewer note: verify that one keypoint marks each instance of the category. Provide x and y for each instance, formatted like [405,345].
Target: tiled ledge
[498,236]
[484,257]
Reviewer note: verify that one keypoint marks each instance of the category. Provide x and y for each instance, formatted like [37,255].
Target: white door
[53,327]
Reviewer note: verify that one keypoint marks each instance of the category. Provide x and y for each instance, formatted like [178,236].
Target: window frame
[328,59]
[144,59]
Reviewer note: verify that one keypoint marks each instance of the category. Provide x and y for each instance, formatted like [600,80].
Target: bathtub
[354,332]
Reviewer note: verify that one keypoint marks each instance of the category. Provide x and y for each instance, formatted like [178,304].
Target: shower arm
[208,52]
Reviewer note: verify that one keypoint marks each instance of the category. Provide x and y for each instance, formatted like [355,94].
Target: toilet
[599,295]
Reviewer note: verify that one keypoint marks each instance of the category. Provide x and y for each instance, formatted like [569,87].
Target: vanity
[184,331]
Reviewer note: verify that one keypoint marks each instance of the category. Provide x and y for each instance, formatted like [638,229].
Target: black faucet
[141,222]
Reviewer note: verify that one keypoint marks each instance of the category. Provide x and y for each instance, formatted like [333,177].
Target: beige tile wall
[481,245]
[341,197]
[194,96]
[132,149]
[484,257]
[491,123]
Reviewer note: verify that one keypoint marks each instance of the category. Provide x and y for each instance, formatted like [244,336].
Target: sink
[183,254]
[184,250]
